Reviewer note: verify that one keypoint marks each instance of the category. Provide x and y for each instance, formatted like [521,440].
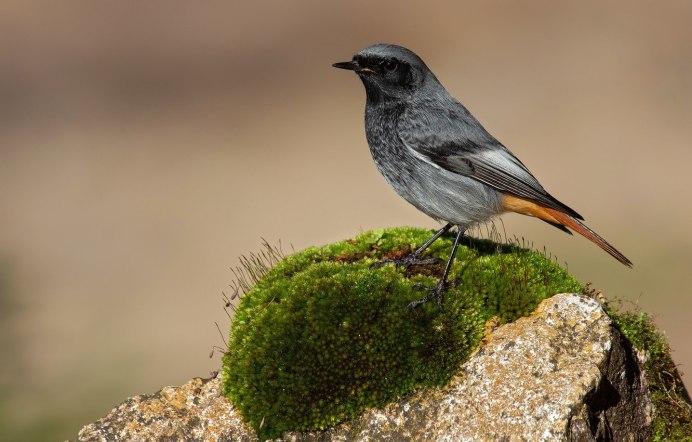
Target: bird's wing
[455,141]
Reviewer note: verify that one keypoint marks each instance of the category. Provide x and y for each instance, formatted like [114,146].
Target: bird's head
[389,72]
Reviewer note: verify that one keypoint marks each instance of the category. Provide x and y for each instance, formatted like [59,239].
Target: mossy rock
[322,335]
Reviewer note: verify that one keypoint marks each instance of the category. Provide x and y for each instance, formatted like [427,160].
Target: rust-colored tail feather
[589,234]
[519,205]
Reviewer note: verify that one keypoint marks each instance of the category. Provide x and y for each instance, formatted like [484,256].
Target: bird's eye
[390,65]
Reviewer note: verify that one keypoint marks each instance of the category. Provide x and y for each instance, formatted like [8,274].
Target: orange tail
[519,205]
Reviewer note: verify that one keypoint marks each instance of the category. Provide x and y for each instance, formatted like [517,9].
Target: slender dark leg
[414,258]
[427,244]
[438,290]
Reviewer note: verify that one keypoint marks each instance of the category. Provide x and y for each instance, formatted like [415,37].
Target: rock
[562,373]
[195,411]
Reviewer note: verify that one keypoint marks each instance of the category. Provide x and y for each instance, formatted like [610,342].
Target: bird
[439,158]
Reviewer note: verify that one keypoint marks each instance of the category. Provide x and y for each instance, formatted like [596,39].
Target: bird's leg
[414,257]
[438,290]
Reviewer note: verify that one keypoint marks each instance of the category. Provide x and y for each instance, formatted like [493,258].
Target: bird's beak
[349,65]
[352,66]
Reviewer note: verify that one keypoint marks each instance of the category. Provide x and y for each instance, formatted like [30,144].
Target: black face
[385,77]
[388,71]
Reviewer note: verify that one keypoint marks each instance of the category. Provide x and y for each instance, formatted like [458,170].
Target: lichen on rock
[323,336]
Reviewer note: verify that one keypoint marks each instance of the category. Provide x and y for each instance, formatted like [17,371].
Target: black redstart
[439,158]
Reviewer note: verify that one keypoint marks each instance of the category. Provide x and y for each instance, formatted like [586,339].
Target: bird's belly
[439,193]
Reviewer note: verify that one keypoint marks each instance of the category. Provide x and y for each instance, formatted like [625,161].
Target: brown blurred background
[144,146]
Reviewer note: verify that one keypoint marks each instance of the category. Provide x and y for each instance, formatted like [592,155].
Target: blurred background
[144,146]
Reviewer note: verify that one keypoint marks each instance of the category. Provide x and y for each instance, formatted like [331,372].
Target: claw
[426,262]
[435,292]
[406,262]
[378,264]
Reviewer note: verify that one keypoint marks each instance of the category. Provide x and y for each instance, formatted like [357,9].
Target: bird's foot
[436,292]
[406,262]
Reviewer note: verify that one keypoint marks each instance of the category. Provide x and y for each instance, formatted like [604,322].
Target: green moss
[322,336]
[672,420]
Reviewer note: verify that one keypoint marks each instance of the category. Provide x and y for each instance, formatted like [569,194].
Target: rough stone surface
[195,411]
[563,373]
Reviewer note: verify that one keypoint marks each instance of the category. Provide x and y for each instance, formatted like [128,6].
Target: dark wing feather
[456,142]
